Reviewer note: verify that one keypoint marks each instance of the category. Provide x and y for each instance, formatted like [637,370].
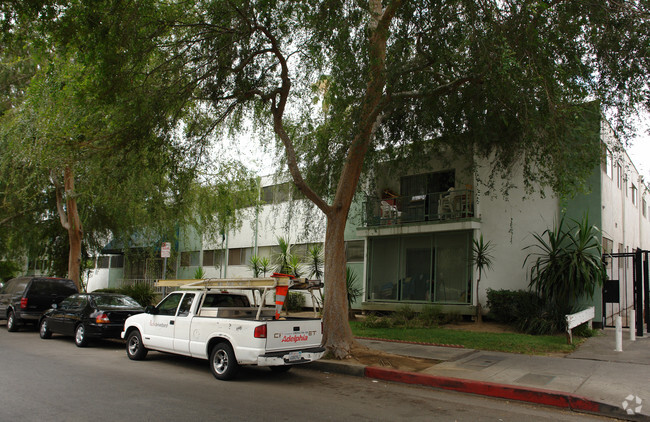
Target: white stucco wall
[509,223]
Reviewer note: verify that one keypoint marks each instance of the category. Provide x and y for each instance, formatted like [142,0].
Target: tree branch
[436,91]
[278,104]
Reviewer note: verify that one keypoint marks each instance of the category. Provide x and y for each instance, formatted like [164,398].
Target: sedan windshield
[115,301]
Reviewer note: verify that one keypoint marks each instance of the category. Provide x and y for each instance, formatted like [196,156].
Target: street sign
[166,250]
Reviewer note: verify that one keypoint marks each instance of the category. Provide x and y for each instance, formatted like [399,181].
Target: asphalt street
[53,380]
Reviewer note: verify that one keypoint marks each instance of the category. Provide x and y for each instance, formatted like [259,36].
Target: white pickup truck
[217,322]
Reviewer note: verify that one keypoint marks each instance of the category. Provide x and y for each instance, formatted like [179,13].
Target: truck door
[182,325]
[160,332]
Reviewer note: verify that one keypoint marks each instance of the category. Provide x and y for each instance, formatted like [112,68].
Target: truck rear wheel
[223,362]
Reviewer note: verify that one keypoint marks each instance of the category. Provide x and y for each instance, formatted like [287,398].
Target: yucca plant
[199,274]
[482,258]
[568,264]
[354,292]
[295,265]
[254,265]
[264,265]
[283,257]
[315,261]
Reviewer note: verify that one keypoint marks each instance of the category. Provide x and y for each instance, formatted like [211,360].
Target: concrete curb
[559,399]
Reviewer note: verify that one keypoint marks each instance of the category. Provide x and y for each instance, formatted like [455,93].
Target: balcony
[437,207]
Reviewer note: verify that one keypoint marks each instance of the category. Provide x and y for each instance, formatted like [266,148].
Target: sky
[639,150]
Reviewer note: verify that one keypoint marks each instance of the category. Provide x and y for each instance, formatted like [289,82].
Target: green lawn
[501,342]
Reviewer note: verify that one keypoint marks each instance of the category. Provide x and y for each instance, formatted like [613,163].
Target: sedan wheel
[11,322]
[44,330]
[80,336]
[223,362]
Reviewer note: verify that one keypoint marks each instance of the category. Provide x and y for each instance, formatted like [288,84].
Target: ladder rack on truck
[261,285]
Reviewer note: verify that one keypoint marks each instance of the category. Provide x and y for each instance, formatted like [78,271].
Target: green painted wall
[590,204]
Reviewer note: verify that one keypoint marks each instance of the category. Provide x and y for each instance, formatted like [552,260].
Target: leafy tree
[345,84]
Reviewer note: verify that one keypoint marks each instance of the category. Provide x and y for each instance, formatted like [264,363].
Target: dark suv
[24,299]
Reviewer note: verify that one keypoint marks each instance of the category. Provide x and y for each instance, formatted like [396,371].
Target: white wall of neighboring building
[623,221]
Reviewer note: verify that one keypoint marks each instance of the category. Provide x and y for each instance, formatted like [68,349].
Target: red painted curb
[511,392]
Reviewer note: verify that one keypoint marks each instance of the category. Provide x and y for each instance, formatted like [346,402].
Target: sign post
[165,252]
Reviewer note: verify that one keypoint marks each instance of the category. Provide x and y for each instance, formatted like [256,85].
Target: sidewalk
[593,379]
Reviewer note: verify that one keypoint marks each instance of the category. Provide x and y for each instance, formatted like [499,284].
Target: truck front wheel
[223,362]
[135,350]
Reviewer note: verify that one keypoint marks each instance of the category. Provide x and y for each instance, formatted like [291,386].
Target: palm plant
[199,273]
[254,265]
[568,266]
[264,265]
[482,259]
[354,292]
[295,264]
[315,261]
[283,257]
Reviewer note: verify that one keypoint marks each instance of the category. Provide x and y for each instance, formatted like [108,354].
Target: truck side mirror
[151,310]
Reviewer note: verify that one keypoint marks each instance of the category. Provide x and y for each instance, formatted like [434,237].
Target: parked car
[89,315]
[24,299]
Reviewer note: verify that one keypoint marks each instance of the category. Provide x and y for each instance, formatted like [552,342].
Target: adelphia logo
[294,339]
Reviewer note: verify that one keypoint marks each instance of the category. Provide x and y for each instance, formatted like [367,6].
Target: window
[213,258]
[422,184]
[103,261]
[644,207]
[208,258]
[621,262]
[186,304]
[239,256]
[354,251]
[168,305]
[276,193]
[190,259]
[609,163]
[608,245]
[633,189]
[619,175]
[117,261]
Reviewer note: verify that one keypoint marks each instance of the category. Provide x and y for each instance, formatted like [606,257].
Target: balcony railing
[454,204]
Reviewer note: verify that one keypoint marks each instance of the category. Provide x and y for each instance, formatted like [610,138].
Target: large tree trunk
[337,336]
[72,223]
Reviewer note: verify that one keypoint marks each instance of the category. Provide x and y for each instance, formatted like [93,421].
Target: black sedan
[89,315]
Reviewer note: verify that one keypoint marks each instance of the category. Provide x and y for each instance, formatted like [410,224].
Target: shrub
[431,316]
[294,302]
[506,305]
[142,293]
[375,321]
[526,311]
[583,330]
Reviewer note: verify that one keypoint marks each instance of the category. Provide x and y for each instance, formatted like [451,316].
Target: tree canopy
[346,84]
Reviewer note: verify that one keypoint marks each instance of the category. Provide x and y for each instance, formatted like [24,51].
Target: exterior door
[182,324]
[160,332]
[56,320]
